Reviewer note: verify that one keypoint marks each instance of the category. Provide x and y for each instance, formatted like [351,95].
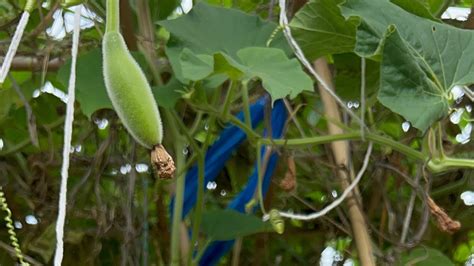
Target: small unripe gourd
[131,95]
[277,221]
[130,92]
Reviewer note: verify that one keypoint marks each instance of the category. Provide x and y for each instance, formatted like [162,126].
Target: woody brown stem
[341,154]
[30,63]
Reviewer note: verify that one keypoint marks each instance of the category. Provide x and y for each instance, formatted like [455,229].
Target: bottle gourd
[131,95]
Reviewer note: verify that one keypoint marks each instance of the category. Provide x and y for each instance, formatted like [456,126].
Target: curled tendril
[11,229]
[273,35]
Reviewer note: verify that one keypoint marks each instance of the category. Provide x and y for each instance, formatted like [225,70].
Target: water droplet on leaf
[355,104]
[467,130]
[125,169]
[348,262]
[18,225]
[461,138]
[211,185]
[468,198]
[406,126]
[103,124]
[468,108]
[31,219]
[141,168]
[36,93]
[457,92]
[455,117]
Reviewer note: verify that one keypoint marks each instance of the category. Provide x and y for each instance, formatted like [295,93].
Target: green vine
[435,165]
[11,229]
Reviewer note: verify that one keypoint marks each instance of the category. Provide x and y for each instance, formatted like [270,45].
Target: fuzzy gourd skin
[129,91]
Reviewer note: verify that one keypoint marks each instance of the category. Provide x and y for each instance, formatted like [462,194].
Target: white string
[300,55]
[14,45]
[58,257]
[334,204]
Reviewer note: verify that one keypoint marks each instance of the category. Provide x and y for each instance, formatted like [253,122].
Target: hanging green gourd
[277,221]
[131,95]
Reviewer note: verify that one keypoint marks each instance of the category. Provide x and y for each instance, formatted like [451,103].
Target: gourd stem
[245,100]
[178,205]
[355,135]
[195,245]
[113,16]
[228,99]
[438,165]
[199,206]
[179,192]
[435,165]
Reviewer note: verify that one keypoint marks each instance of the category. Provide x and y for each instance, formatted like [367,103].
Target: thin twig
[408,215]
[396,170]
[262,168]
[145,220]
[128,210]
[30,117]
[338,201]
[27,258]
[58,257]
[292,116]
[300,55]
[236,252]
[271,4]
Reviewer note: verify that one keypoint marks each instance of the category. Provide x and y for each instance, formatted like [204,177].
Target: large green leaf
[418,7]
[208,40]
[320,29]
[161,9]
[90,86]
[9,98]
[6,102]
[421,59]
[195,67]
[347,80]
[280,76]
[437,7]
[207,30]
[167,95]
[230,224]
[425,256]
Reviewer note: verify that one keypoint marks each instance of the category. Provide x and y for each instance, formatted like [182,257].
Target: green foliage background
[119,216]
